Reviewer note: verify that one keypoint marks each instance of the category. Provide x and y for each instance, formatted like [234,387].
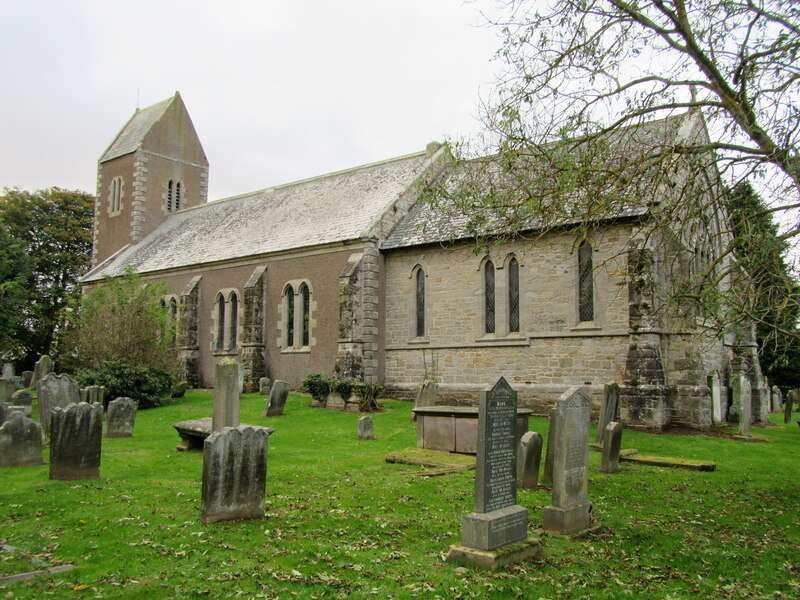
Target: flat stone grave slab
[455,428]
[195,431]
[437,459]
[665,461]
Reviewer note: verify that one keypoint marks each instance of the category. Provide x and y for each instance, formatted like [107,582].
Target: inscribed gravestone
[529,458]
[277,399]
[263,386]
[234,473]
[44,366]
[610,460]
[75,438]
[121,417]
[365,429]
[55,391]
[571,510]
[226,394]
[20,442]
[497,519]
[608,409]
[717,408]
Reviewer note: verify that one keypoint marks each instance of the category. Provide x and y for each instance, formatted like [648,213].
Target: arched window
[178,187]
[488,297]
[513,295]
[305,294]
[420,302]
[115,200]
[234,321]
[173,317]
[585,283]
[220,345]
[289,296]
[170,194]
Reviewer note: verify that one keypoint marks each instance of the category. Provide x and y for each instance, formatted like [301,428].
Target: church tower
[155,167]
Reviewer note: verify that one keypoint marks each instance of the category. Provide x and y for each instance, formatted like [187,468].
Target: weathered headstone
[791,397]
[365,429]
[6,389]
[529,457]
[20,442]
[571,510]
[75,437]
[777,399]
[121,417]
[8,371]
[27,376]
[179,389]
[608,409]
[742,397]
[552,435]
[263,386]
[717,407]
[5,413]
[44,366]
[426,396]
[611,448]
[234,473]
[277,399]
[226,394]
[55,391]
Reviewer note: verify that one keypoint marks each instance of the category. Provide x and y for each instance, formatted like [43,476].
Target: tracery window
[513,295]
[585,283]
[488,297]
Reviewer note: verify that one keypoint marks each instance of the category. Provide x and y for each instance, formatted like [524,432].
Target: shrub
[147,385]
[316,384]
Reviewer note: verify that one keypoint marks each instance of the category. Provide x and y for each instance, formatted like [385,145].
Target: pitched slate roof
[331,208]
[132,134]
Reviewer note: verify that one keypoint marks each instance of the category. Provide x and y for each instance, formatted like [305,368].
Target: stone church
[348,273]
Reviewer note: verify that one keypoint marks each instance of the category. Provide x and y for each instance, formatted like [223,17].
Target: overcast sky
[278,90]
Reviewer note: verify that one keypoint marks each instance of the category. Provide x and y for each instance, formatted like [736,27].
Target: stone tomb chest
[455,428]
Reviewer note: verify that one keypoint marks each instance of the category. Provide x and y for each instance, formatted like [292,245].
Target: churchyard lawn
[342,523]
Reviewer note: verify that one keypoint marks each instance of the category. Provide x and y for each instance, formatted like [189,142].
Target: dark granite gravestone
[20,441]
[234,473]
[55,391]
[277,399]
[608,409]
[571,510]
[227,389]
[365,429]
[529,458]
[263,386]
[611,448]
[75,437]
[121,417]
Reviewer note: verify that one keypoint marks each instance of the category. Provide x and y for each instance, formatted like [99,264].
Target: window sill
[419,340]
[492,338]
[300,350]
[587,326]
[231,352]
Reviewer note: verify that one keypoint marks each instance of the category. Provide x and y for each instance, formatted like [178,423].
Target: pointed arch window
[288,294]
[234,321]
[174,195]
[488,297]
[585,283]
[115,198]
[220,342]
[513,295]
[419,297]
[305,296]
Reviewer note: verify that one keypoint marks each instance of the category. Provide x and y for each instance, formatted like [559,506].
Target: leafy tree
[15,272]
[54,227]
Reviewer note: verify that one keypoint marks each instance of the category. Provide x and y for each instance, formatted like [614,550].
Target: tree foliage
[15,272]
[53,227]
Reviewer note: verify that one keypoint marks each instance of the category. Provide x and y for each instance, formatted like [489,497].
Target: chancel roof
[132,135]
[338,207]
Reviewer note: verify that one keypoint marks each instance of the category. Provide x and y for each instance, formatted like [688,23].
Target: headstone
[717,407]
[608,409]
[552,434]
[5,412]
[610,460]
[427,394]
[787,406]
[20,442]
[8,371]
[263,386]
[743,398]
[529,457]
[6,389]
[55,391]
[777,399]
[27,376]
[277,399]
[75,438]
[44,366]
[93,394]
[179,389]
[226,394]
[234,473]
[571,510]
[365,429]
[121,417]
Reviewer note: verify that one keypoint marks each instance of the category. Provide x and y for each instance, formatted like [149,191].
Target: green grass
[342,523]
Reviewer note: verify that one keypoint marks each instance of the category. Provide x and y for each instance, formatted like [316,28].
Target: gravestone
[717,407]
[27,377]
[6,389]
[571,510]
[20,441]
[787,406]
[263,386]
[743,398]
[608,409]
[23,398]
[5,412]
[44,366]
[234,473]
[427,394]
[226,394]
[55,391]
[610,460]
[8,371]
[75,437]
[179,389]
[277,399]
[121,417]
[365,429]
[552,434]
[777,399]
[529,458]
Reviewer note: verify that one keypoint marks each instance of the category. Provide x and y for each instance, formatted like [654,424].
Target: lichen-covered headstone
[277,399]
[529,458]
[44,366]
[571,510]
[8,371]
[234,473]
[366,430]
[20,441]
[4,412]
[227,389]
[608,409]
[611,448]
[55,391]
[179,389]
[743,401]
[121,417]
[263,386]
[76,433]
[791,397]
[6,389]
